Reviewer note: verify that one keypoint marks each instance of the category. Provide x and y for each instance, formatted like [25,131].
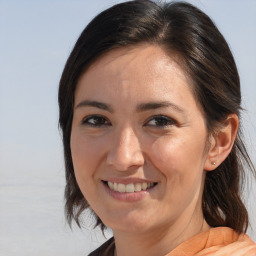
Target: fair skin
[137,126]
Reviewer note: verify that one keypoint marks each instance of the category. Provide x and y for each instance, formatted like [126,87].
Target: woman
[149,109]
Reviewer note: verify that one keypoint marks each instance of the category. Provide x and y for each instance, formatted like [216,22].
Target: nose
[125,152]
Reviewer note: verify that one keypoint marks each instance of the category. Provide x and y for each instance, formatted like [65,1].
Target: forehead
[127,77]
[144,54]
[143,61]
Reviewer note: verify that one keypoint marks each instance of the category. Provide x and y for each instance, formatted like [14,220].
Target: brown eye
[95,121]
[160,121]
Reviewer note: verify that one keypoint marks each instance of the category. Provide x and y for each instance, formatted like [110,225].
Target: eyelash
[100,121]
[163,121]
[160,121]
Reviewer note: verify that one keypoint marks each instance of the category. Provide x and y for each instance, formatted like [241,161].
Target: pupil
[99,120]
[161,121]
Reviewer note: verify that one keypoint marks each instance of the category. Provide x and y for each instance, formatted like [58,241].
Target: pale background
[36,38]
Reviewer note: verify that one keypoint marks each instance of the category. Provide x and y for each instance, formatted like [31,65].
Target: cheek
[178,157]
[181,164]
[84,150]
[85,156]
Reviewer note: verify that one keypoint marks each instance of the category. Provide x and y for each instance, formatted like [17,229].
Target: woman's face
[138,141]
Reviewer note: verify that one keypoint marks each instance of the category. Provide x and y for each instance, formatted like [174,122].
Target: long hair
[181,28]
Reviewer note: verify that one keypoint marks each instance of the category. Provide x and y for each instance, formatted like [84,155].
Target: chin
[129,223]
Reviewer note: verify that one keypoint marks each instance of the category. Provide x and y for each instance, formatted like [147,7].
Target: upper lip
[128,180]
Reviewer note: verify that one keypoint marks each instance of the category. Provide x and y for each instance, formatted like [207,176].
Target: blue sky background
[36,38]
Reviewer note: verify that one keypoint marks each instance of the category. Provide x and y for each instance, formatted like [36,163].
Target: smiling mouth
[130,188]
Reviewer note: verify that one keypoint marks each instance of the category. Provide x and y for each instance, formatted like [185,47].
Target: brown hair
[182,28]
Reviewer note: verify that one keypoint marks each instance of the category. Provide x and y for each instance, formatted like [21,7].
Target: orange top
[220,241]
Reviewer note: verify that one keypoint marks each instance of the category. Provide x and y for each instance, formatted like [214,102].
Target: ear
[221,142]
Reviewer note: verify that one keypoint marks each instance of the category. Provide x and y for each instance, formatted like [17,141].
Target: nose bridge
[125,150]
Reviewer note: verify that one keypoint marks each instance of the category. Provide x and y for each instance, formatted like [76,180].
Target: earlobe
[221,142]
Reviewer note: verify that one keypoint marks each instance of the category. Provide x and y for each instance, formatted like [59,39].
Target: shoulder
[217,241]
[106,249]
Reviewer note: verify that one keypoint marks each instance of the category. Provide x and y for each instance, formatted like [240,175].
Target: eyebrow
[140,108]
[96,104]
[156,105]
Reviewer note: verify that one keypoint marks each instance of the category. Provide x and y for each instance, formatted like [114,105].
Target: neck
[158,241]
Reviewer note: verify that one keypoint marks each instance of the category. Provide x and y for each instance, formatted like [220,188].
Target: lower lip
[128,197]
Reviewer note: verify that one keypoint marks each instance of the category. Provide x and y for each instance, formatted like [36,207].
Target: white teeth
[144,186]
[129,188]
[111,185]
[137,187]
[121,187]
